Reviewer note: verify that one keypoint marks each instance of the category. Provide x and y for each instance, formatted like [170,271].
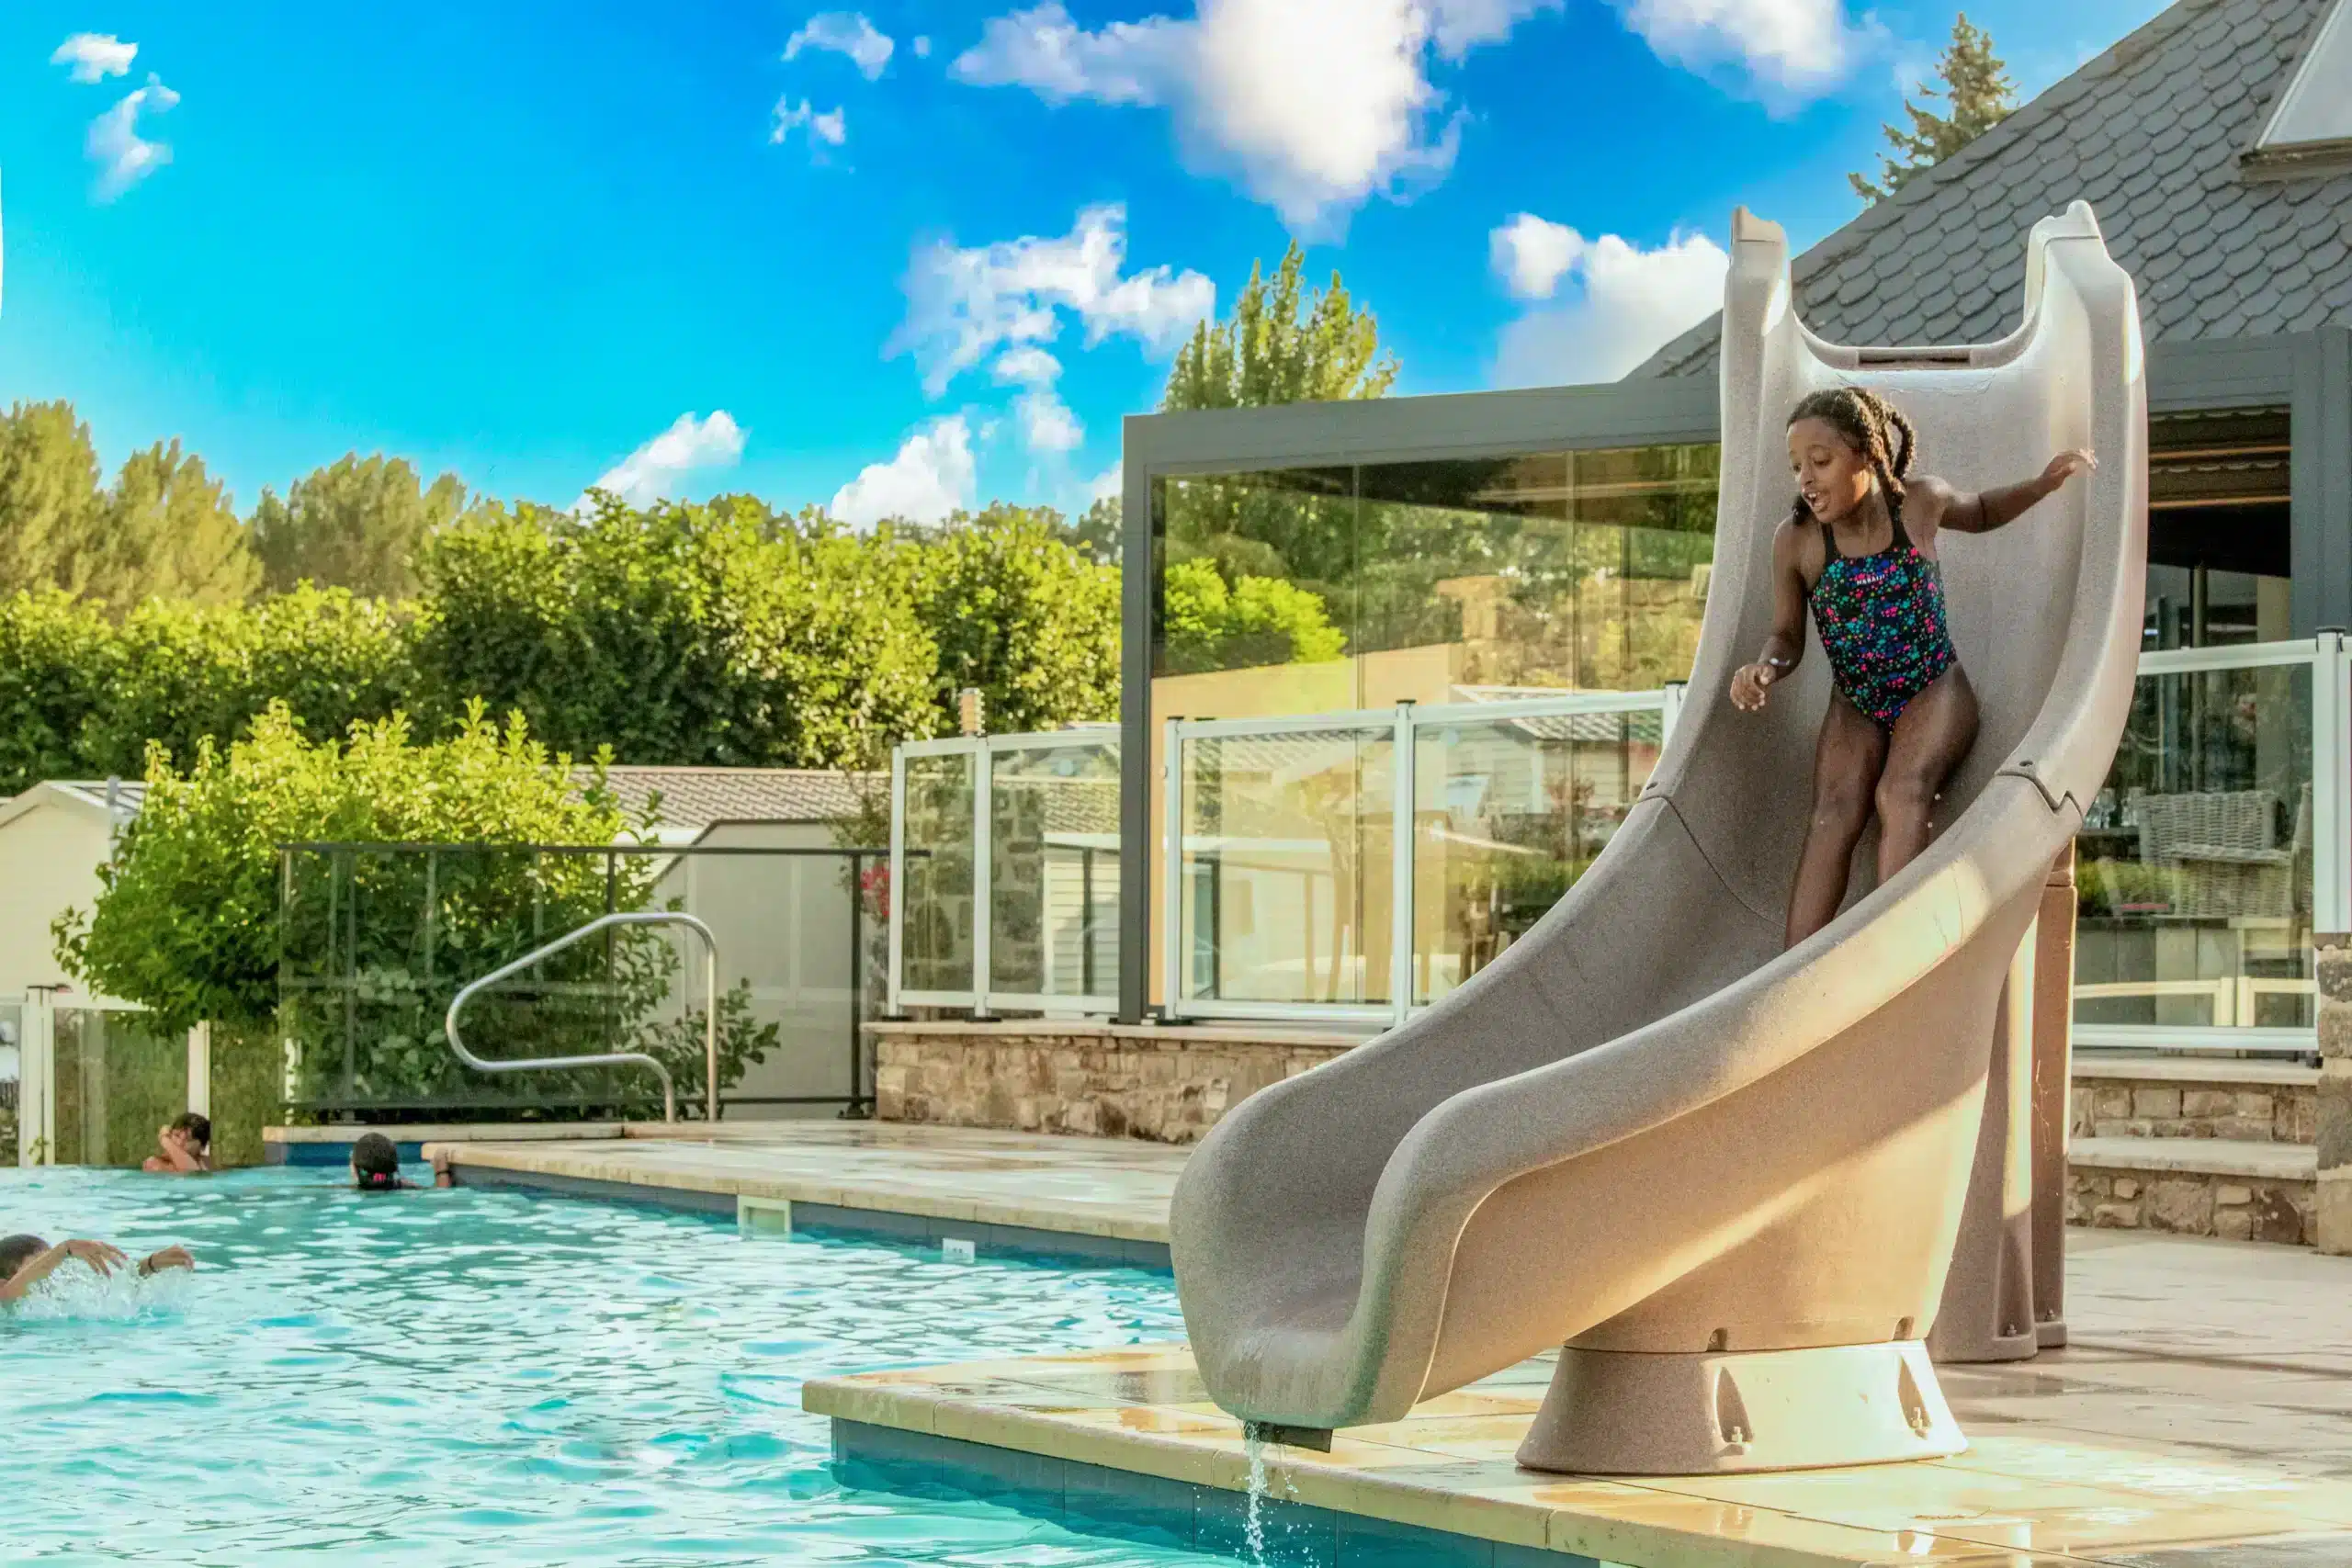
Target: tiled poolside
[2202,1414]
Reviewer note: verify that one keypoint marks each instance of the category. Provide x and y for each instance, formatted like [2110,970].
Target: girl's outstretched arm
[1785,646]
[1986,510]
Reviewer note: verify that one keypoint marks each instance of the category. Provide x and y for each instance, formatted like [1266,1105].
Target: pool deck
[2202,1416]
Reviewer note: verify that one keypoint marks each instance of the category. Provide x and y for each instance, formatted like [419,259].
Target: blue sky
[932,256]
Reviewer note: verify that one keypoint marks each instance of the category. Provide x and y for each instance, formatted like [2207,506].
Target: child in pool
[26,1260]
[1860,549]
[184,1145]
[376,1165]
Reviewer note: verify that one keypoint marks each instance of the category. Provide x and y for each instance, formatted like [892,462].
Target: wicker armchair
[2223,852]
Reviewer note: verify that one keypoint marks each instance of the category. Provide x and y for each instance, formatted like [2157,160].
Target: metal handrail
[608,1058]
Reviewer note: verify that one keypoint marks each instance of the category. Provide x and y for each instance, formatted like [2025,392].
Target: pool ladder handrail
[608,1058]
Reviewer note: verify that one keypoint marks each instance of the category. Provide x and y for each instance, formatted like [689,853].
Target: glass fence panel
[117,1081]
[381,937]
[935,952]
[1054,870]
[1510,812]
[2194,862]
[1286,865]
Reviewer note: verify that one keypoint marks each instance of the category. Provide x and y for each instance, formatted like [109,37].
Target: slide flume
[1725,1180]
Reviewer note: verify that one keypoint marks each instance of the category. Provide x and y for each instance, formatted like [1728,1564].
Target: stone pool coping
[1063,1198]
[1127,1441]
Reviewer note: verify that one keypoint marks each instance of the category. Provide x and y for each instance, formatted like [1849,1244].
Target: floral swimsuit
[1882,622]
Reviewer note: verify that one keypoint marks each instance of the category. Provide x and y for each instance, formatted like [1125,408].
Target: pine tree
[1978,88]
[1281,346]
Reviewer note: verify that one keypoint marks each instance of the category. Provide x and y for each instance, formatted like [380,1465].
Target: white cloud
[1532,254]
[1026,366]
[1791,49]
[1047,424]
[1108,485]
[922,46]
[123,155]
[932,476]
[651,473]
[1631,302]
[1315,103]
[831,128]
[96,56]
[1460,25]
[844,33]
[964,305]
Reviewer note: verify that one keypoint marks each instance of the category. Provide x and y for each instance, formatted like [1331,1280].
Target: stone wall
[2263,1113]
[2333,956]
[1168,1085]
[2236,1208]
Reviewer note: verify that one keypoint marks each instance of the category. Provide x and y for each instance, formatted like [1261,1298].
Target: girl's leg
[1846,764]
[1930,737]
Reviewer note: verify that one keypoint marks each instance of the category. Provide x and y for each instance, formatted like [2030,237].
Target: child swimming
[1860,548]
[26,1260]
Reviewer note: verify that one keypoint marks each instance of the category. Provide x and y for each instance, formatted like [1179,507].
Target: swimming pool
[487,1378]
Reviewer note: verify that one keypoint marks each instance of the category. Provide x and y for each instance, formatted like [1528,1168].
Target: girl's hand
[1749,683]
[170,1257]
[2066,465]
[96,1254]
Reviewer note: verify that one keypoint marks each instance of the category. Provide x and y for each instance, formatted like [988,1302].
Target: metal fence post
[36,1079]
[983,871]
[2332,784]
[1171,891]
[896,899]
[1400,865]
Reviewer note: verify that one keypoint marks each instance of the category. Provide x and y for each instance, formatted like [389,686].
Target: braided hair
[1871,425]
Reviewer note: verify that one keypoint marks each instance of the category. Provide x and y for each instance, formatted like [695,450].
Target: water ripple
[476,1378]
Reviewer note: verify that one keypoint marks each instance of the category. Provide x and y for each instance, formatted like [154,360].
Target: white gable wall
[50,848]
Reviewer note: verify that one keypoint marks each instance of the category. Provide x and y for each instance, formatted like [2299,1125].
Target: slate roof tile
[2150,133]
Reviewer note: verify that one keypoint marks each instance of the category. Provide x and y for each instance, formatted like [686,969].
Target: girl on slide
[1860,549]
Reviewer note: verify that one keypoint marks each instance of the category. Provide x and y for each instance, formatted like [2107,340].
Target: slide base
[1622,1412]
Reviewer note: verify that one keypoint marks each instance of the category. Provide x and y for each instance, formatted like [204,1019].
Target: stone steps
[2194,1145]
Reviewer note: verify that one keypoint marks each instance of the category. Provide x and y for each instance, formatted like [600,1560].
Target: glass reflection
[2194,864]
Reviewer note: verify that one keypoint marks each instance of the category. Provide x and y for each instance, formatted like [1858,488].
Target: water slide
[1726,1180]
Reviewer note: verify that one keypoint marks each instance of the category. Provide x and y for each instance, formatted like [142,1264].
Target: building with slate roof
[2162,134]
[1559,539]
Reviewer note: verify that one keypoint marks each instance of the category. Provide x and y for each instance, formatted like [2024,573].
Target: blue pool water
[490,1379]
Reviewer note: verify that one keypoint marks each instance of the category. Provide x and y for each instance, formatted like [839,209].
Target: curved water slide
[1725,1180]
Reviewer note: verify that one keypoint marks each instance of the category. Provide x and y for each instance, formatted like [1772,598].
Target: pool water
[488,1378]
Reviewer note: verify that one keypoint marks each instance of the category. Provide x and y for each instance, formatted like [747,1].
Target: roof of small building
[694,798]
[2155,134]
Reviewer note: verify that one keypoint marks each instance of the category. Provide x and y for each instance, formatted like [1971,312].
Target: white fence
[1283,891]
[93,1084]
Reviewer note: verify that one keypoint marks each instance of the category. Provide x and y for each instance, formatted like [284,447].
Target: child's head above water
[15,1252]
[375,1163]
[1842,442]
[198,1130]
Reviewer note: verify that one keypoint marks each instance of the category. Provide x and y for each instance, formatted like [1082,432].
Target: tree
[186,918]
[181,673]
[1096,534]
[355,524]
[198,919]
[1980,94]
[679,635]
[1018,613]
[57,657]
[1255,621]
[50,506]
[1281,346]
[172,531]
